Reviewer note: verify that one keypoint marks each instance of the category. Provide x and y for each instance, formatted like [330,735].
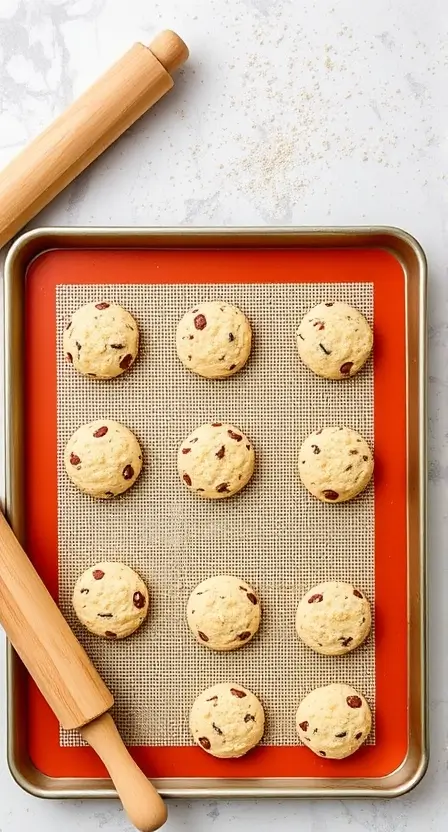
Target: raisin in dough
[334,340]
[214,339]
[227,720]
[223,613]
[333,618]
[110,600]
[101,340]
[334,721]
[103,458]
[216,460]
[335,464]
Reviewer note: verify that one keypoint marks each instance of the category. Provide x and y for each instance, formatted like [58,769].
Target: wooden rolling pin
[89,126]
[67,678]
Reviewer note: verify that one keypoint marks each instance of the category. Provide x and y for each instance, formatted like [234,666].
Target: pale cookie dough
[111,600]
[335,464]
[334,340]
[223,613]
[101,340]
[334,721]
[214,339]
[333,618]
[216,460]
[103,458]
[227,720]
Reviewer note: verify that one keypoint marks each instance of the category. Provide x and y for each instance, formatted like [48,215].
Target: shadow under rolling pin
[89,126]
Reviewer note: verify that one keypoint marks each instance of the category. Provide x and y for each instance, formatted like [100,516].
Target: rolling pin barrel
[47,646]
[90,125]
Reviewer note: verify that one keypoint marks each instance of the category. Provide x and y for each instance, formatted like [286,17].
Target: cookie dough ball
[334,340]
[214,339]
[335,464]
[227,720]
[101,340]
[333,618]
[216,460]
[103,458]
[111,600]
[334,721]
[223,613]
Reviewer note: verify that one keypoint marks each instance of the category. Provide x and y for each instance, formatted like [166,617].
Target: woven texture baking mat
[273,535]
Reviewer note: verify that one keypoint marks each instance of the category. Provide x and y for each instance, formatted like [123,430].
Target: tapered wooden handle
[143,804]
[86,129]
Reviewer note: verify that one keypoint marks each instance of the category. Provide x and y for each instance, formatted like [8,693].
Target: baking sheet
[395,264]
[274,534]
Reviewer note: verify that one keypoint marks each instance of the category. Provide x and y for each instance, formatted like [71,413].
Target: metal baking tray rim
[406,248]
[39,785]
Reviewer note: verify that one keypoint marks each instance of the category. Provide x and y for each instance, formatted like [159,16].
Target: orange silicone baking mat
[298,266]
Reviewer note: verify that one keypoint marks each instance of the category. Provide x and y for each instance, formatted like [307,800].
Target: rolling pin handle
[143,804]
[170,50]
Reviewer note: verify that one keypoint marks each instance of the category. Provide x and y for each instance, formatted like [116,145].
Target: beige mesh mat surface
[273,535]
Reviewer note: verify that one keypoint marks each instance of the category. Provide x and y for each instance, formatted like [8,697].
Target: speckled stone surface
[324,112]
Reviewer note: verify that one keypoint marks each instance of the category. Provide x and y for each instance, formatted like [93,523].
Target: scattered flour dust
[270,165]
[305,105]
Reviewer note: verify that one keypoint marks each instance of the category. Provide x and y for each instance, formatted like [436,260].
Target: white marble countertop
[312,112]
